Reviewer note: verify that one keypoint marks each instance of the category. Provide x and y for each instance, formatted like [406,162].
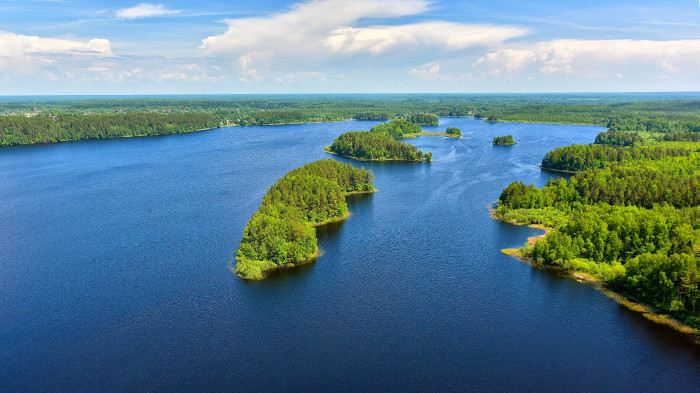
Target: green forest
[21,130]
[282,231]
[453,132]
[377,146]
[397,129]
[505,140]
[629,216]
[424,119]
[44,119]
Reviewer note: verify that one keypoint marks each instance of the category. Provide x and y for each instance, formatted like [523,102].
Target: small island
[281,233]
[453,132]
[375,146]
[506,140]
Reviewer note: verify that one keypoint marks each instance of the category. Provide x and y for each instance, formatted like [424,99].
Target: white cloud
[314,33]
[442,35]
[18,45]
[304,25]
[429,71]
[145,10]
[596,59]
[303,77]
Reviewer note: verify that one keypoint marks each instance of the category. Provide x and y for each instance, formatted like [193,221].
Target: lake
[115,275]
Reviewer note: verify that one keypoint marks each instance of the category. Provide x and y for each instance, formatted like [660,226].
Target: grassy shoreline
[646,311]
[289,265]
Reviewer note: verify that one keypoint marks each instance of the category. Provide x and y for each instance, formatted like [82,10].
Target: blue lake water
[115,275]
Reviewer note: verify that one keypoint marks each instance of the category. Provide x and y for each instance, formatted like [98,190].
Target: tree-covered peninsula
[629,217]
[281,232]
[375,146]
[505,140]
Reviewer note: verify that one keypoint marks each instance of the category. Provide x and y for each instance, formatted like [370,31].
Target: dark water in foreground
[114,275]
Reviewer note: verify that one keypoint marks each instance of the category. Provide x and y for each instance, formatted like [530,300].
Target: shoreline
[646,311]
[557,170]
[288,265]
[428,133]
[373,160]
[316,254]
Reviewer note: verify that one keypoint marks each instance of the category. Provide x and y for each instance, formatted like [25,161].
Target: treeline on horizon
[21,130]
[677,115]
[629,216]
[281,231]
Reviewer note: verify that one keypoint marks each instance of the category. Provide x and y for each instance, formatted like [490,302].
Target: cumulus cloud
[305,25]
[314,32]
[429,71]
[145,10]
[18,45]
[445,35]
[595,58]
[303,77]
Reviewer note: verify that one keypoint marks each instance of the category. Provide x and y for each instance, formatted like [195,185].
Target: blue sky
[360,46]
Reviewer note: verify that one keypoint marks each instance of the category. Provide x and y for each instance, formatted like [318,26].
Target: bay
[115,274]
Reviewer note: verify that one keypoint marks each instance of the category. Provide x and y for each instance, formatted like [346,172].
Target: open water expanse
[115,275]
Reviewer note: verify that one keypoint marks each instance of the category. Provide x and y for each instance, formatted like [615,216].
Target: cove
[114,274]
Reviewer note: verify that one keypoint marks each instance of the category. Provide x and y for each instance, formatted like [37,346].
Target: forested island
[453,132]
[629,217]
[375,146]
[281,232]
[505,140]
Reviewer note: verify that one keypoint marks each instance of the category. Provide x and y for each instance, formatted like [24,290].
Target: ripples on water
[114,275]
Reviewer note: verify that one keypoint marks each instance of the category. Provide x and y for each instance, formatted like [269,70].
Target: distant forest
[74,118]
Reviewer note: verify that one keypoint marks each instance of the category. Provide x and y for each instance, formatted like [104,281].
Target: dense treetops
[424,119]
[371,116]
[618,138]
[630,217]
[20,130]
[453,131]
[618,113]
[397,128]
[595,156]
[657,125]
[504,140]
[281,231]
[375,146]
[678,117]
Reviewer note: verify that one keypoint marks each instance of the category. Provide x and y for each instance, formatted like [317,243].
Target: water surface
[114,274]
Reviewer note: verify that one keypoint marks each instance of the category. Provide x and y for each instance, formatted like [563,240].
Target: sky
[57,47]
